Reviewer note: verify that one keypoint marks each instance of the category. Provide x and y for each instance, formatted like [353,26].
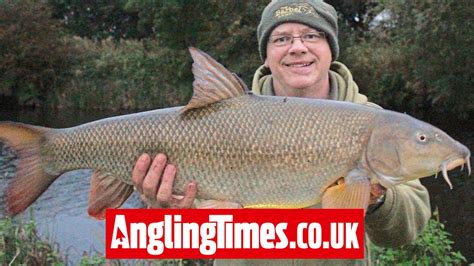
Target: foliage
[20,245]
[33,59]
[97,20]
[124,75]
[432,247]
[354,14]
[225,28]
[94,260]
[156,72]
[423,61]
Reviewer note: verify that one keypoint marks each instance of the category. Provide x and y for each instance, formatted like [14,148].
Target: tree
[32,54]
[422,60]
[97,20]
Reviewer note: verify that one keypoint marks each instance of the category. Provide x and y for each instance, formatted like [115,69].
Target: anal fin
[106,192]
[353,195]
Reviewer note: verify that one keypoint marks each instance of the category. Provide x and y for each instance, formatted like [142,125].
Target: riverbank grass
[21,245]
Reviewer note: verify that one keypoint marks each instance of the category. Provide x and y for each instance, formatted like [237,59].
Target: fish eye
[421,137]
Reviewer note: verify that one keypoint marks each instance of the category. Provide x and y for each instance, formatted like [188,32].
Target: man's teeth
[299,65]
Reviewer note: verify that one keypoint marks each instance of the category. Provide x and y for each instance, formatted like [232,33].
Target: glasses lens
[312,36]
[280,40]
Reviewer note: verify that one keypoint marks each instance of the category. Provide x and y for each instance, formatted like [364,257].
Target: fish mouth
[450,164]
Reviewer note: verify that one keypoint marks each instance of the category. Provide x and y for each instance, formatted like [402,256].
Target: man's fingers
[166,187]
[150,183]
[140,170]
[377,190]
[187,201]
[146,178]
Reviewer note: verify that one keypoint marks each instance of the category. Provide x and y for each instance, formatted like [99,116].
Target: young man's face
[298,65]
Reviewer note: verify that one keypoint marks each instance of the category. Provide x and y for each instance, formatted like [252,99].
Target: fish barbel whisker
[468,162]
[445,175]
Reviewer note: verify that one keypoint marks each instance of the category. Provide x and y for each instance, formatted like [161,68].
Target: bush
[421,61]
[126,75]
[20,245]
[224,28]
[432,247]
[33,58]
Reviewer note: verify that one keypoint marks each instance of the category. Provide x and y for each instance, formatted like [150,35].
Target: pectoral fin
[106,192]
[353,195]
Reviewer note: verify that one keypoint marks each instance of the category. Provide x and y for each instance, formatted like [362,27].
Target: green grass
[21,245]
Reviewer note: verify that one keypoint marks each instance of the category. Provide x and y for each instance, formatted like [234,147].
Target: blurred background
[67,62]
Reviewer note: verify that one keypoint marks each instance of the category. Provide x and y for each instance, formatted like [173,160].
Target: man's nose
[298,47]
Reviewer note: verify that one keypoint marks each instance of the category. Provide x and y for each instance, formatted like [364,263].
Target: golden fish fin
[353,195]
[212,81]
[218,204]
[106,192]
[242,84]
[30,180]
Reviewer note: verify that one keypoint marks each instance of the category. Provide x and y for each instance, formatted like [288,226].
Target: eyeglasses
[284,40]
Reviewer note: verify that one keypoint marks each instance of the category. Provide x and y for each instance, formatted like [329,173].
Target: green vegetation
[432,247]
[33,59]
[21,245]
[123,75]
[132,54]
[421,61]
[94,260]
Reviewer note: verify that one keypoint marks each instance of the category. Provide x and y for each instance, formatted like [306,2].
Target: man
[298,44]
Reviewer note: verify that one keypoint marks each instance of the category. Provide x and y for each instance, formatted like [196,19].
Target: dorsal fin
[212,81]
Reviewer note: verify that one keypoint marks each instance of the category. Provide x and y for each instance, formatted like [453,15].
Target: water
[61,212]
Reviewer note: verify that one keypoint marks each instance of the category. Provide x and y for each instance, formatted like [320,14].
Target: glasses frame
[319,36]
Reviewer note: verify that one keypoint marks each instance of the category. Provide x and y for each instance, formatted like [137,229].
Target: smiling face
[299,69]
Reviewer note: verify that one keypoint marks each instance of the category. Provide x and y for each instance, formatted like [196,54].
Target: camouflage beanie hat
[313,13]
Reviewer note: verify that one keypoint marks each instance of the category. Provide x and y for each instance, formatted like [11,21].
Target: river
[61,212]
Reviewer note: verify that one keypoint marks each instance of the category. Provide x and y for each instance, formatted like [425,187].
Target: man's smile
[299,64]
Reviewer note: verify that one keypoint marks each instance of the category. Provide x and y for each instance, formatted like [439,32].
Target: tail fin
[30,180]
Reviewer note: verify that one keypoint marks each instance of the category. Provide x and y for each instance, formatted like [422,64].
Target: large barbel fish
[257,151]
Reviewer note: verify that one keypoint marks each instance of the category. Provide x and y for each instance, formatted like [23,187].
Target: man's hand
[146,178]
[377,197]
[376,192]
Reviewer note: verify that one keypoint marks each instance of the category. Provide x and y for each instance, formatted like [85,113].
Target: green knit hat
[313,13]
